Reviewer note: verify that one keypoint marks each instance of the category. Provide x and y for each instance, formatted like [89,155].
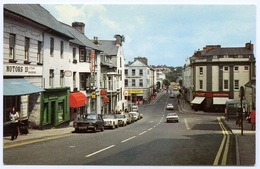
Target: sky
[165,33]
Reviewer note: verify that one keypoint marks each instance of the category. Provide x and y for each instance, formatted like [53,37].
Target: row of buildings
[52,72]
[61,61]
[215,74]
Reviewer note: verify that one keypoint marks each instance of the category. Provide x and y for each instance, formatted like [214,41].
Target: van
[233,105]
[135,108]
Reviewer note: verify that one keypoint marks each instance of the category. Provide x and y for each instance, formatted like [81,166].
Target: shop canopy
[19,86]
[220,100]
[78,99]
[197,100]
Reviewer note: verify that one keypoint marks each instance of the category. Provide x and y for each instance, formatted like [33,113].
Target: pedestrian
[252,118]
[14,117]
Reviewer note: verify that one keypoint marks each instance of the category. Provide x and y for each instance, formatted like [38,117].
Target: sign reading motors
[14,70]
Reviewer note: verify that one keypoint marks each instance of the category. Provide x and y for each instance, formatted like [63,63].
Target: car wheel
[102,128]
[76,129]
[95,129]
[113,127]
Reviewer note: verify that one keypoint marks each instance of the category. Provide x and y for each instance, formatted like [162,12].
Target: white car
[172,117]
[135,115]
[169,106]
[110,121]
[122,119]
[135,108]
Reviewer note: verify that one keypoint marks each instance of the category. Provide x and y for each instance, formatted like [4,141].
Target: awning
[19,86]
[78,99]
[197,100]
[220,100]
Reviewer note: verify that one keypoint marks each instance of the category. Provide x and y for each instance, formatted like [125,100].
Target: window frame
[26,48]
[12,42]
[51,46]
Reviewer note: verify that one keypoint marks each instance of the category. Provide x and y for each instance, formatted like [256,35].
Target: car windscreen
[91,117]
[119,116]
[108,117]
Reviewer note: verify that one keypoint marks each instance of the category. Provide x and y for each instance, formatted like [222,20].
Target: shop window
[60,112]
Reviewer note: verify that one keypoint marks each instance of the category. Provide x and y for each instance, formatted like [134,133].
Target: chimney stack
[80,26]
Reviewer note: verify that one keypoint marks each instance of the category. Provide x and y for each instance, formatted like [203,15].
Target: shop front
[78,105]
[210,101]
[22,94]
[55,108]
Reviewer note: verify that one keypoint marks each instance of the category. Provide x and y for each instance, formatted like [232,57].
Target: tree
[166,82]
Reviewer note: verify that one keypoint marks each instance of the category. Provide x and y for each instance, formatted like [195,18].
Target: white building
[218,73]
[140,80]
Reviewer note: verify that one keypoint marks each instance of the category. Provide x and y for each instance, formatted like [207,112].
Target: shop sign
[105,99]
[103,92]
[67,73]
[93,95]
[22,70]
[135,91]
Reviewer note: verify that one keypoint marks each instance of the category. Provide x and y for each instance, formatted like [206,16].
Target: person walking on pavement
[252,118]
[14,117]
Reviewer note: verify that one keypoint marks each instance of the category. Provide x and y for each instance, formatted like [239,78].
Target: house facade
[140,81]
[59,70]
[217,75]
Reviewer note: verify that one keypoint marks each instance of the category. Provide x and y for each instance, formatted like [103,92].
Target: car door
[100,121]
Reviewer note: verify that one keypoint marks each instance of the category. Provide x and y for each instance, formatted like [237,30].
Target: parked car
[121,120]
[172,117]
[110,121]
[169,106]
[129,118]
[91,121]
[135,108]
[135,115]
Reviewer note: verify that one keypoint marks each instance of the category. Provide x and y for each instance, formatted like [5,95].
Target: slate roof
[37,14]
[229,51]
[79,37]
[109,47]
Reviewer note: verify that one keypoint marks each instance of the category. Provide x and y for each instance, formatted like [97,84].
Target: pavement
[245,140]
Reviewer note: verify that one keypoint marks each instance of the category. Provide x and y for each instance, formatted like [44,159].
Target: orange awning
[78,99]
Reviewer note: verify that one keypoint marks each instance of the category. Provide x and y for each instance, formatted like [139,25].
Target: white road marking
[99,151]
[186,124]
[150,129]
[142,133]
[127,139]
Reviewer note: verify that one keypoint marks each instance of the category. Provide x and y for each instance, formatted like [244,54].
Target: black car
[87,122]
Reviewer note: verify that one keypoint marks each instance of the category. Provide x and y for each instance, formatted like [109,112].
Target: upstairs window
[141,72]
[61,49]
[133,83]
[246,68]
[226,68]
[133,72]
[39,52]
[26,48]
[225,84]
[141,82]
[51,47]
[11,46]
[126,82]
[201,84]
[82,57]
[236,68]
[51,77]
[126,72]
[201,70]
[236,85]
[61,78]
